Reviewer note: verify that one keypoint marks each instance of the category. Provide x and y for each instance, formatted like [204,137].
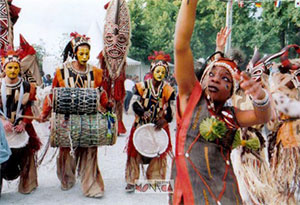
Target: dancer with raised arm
[205,127]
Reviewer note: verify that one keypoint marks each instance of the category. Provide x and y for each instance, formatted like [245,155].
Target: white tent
[96,34]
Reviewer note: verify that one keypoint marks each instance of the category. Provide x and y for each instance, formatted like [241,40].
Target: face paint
[12,70]
[159,73]
[83,54]
[227,87]
[116,36]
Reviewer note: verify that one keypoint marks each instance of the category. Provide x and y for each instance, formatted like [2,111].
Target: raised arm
[184,63]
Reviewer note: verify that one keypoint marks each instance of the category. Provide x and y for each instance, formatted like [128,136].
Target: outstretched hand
[222,38]
[250,86]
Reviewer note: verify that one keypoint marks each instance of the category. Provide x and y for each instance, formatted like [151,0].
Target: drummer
[152,106]
[15,103]
[78,74]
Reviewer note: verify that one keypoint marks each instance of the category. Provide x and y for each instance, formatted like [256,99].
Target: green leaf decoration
[211,129]
[237,140]
[252,143]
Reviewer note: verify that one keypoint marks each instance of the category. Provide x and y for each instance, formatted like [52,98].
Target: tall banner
[6,37]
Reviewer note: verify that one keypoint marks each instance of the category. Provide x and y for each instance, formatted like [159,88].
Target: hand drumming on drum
[8,126]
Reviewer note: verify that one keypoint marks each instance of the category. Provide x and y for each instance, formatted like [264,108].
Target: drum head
[17,140]
[149,142]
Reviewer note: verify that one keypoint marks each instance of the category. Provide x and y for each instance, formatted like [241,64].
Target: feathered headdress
[159,58]
[9,55]
[257,65]
[285,62]
[77,40]
[222,61]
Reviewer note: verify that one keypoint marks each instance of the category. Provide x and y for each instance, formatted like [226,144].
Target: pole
[228,25]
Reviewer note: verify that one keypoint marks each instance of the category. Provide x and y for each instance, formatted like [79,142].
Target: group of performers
[237,136]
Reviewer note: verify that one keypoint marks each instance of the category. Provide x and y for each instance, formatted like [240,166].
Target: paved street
[112,165]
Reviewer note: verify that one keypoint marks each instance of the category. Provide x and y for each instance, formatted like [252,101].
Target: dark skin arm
[184,62]
[185,76]
[249,118]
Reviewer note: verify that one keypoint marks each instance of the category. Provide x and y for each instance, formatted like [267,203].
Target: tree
[153,27]
[40,53]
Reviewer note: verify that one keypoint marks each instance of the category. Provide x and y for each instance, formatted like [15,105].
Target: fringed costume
[285,139]
[251,167]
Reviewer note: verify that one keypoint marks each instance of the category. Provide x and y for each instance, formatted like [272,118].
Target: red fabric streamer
[25,48]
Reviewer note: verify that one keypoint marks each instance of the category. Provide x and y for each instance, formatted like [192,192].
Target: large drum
[75,100]
[83,130]
[149,142]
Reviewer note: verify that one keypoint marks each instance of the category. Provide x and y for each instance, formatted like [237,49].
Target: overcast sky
[48,20]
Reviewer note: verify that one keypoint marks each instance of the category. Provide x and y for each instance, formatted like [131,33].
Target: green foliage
[40,53]
[269,28]
[153,27]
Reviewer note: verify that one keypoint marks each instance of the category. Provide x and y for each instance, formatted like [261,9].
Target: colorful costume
[84,157]
[113,56]
[158,103]
[202,169]
[16,100]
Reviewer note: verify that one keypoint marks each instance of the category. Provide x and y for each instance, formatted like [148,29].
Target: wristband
[263,102]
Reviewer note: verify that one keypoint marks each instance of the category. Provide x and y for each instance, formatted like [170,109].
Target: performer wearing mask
[284,136]
[78,74]
[15,108]
[153,106]
[205,127]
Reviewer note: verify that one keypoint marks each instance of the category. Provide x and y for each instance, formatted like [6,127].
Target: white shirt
[129,84]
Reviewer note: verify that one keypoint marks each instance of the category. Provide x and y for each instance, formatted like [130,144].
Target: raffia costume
[285,146]
[251,167]
[16,100]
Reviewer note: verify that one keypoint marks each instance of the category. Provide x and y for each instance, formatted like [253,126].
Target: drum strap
[3,96]
[89,76]
[66,75]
